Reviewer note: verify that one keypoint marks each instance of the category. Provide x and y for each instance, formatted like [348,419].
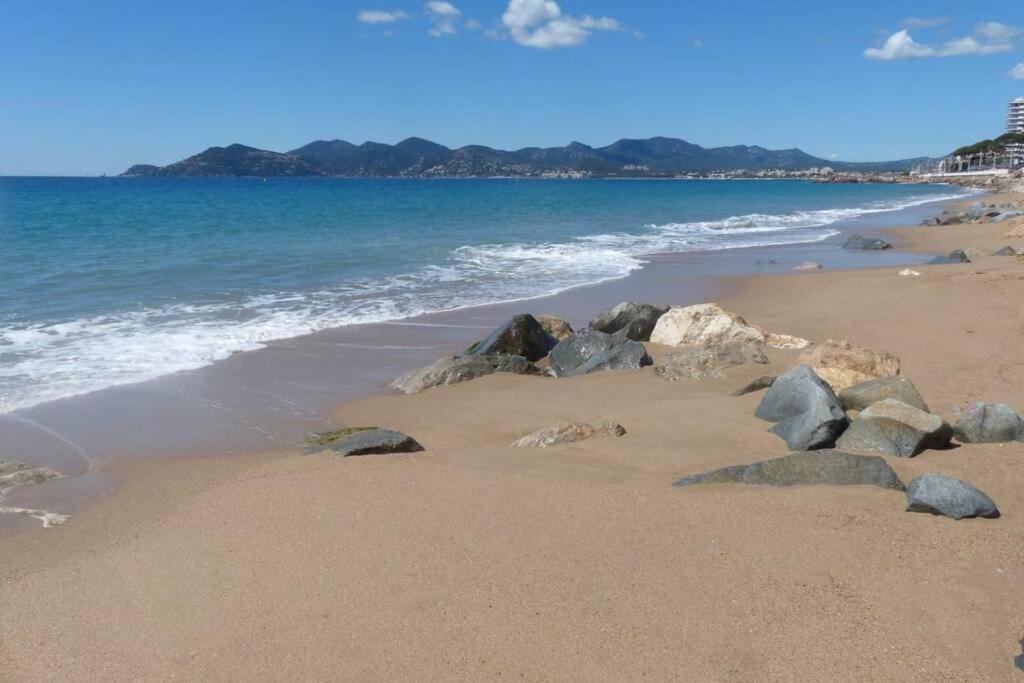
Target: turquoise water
[110,281]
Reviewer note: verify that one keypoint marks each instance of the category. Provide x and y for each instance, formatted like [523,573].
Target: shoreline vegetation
[512,510]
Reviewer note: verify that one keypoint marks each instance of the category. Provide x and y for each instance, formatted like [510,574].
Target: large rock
[806,411]
[631,320]
[843,365]
[708,361]
[867,243]
[894,428]
[520,336]
[629,355]
[955,256]
[462,369]
[989,423]
[362,441]
[21,474]
[556,327]
[827,467]
[942,495]
[865,394]
[568,433]
[1006,251]
[707,324]
[578,349]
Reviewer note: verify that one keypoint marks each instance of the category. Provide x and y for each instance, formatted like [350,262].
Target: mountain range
[416,157]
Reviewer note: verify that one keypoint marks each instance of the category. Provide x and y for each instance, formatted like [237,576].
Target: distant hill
[416,157]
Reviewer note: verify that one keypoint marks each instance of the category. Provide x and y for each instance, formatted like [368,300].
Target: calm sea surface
[111,281]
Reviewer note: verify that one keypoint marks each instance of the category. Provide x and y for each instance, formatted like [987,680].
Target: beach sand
[475,560]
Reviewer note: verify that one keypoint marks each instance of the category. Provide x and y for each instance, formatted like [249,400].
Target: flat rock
[942,495]
[634,321]
[989,423]
[807,413]
[708,361]
[1005,251]
[573,352]
[520,336]
[556,327]
[865,394]
[955,256]
[629,355]
[843,364]
[457,369]
[568,433]
[362,441]
[22,474]
[758,384]
[809,265]
[825,467]
[866,243]
[895,428]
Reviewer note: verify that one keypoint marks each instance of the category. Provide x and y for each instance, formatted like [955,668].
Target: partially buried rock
[520,336]
[989,423]
[955,256]
[755,385]
[628,355]
[708,361]
[827,467]
[866,243]
[806,411]
[1005,251]
[843,364]
[556,327]
[457,369]
[630,320]
[865,394]
[894,428]
[573,352]
[942,495]
[362,441]
[809,265]
[568,433]
[22,474]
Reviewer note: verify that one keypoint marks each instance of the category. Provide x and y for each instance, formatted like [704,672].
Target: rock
[21,474]
[766,262]
[758,384]
[635,321]
[362,441]
[556,327]
[809,265]
[895,428]
[567,433]
[870,244]
[1016,232]
[1005,216]
[708,361]
[707,324]
[459,369]
[866,394]
[973,253]
[629,355]
[989,423]
[950,219]
[1006,251]
[842,364]
[942,495]
[907,272]
[520,336]
[578,349]
[828,467]
[956,256]
[806,411]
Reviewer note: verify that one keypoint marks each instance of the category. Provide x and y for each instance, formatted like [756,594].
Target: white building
[1015,124]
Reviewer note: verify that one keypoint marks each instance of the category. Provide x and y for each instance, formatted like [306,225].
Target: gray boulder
[578,349]
[866,243]
[1006,215]
[635,321]
[950,219]
[895,428]
[1006,251]
[829,467]
[955,256]
[758,384]
[362,441]
[942,495]
[520,336]
[866,394]
[628,355]
[455,370]
[807,413]
[989,423]
[708,361]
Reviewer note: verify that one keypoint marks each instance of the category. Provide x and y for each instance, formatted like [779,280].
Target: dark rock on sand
[628,355]
[867,243]
[819,467]
[578,349]
[709,361]
[807,413]
[895,428]
[956,256]
[635,321]
[1006,251]
[22,474]
[989,423]
[755,385]
[866,394]
[455,370]
[520,336]
[362,441]
[942,495]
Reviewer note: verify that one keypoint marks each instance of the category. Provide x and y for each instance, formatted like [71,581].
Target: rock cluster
[979,212]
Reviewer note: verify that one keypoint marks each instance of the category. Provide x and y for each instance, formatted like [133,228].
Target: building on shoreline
[1015,124]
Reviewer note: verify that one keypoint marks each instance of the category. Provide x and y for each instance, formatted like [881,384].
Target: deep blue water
[108,281]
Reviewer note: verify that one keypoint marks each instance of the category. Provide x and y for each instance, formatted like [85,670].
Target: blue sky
[92,86]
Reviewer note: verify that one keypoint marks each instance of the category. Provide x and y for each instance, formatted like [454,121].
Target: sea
[112,281]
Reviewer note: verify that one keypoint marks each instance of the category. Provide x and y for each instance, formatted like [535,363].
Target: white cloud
[443,15]
[1017,72]
[924,22]
[541,24]
[989,38]
[369,16]
[473,24]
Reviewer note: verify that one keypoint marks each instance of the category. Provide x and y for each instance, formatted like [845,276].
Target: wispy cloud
[1017,72]
[698,43]
[370,16]
[443,15]
[923,22]
[541,24]
[989,38]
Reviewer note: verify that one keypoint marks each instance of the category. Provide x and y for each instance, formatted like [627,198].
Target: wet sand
[476,560]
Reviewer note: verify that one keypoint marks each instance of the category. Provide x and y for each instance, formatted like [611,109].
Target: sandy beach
[476,560]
